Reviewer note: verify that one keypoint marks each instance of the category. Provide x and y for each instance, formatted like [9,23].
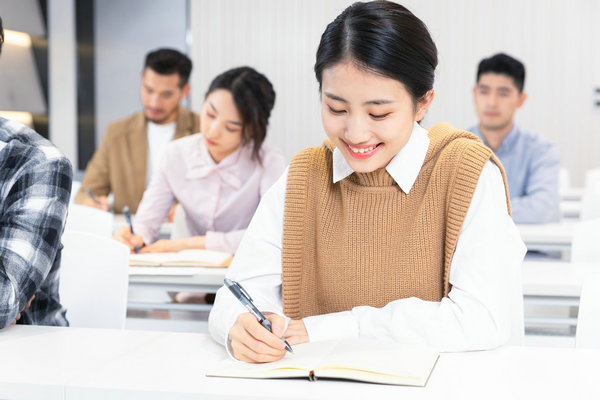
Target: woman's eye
[210,115]
[337,112]
[381,116]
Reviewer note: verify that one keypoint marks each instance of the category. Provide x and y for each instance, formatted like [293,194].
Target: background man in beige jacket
[132,148]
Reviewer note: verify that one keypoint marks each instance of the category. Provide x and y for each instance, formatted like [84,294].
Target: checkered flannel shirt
[35,186]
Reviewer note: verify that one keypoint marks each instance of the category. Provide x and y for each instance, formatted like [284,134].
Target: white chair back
[74,189]
[90,220]
[564,180]
[180,228]
[94,276]
[588,319]
[590,203]
[586,241]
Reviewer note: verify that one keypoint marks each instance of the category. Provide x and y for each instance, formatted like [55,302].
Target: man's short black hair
[1,35]
[170,61]
[505,65]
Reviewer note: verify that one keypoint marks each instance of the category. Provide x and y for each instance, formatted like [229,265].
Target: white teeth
[362,150]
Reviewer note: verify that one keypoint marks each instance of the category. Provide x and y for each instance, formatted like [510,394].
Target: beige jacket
[119,164]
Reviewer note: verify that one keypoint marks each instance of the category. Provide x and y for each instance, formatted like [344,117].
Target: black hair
[254,97]
[384,38]
[170,61]
[505,65]
[1,35]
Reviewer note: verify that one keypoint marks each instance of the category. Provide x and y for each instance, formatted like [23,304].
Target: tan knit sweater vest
[363,241]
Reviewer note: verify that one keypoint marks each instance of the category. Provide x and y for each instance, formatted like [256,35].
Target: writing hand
[162,246]
[251,342]
[101,203]
[296,332]
[123,235]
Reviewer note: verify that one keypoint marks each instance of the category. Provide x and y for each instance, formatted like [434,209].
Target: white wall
[62,78]
[555,39]
[124,32]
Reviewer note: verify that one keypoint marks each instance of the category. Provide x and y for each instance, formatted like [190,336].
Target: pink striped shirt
[219,199]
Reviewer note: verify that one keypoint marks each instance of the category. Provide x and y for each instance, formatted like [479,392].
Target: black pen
[240,293]
[94,199]
[128,219]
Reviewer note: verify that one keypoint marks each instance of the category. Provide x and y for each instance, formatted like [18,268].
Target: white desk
[161,280]
[556,284]
[556,279]
[574,193]
[548,237]
[70,363]
[570,208]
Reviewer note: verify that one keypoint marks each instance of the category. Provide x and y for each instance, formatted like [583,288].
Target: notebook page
[385,358]
[296,364]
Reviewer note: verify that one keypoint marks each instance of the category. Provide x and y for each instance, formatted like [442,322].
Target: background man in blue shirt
[531,162]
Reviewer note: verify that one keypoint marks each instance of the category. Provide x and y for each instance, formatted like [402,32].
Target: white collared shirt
[475,315]
[159,136]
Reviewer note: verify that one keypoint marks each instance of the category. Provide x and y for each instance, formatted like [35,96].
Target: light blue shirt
[532,167]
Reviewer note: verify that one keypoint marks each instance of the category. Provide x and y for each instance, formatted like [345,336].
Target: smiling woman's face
[367,116]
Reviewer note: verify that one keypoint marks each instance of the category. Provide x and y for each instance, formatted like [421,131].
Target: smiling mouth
[362,151]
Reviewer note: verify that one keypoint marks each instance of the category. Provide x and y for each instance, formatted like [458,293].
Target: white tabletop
[70,363]
[573,193]
[553,278]
[548,237]
[570,208]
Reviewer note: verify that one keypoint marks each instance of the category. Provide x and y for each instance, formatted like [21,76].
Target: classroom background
[95,51]
[70,67]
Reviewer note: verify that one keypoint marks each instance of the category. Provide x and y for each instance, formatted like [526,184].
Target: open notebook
[184,258]
[359,360]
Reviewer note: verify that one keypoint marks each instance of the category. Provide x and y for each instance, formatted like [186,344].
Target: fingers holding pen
[251,342]
[125,236]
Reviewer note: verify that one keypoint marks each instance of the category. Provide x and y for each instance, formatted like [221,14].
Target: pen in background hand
[94,199]
[128,219]
[240,293]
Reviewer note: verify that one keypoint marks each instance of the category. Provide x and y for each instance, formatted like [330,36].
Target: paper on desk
[184,258]
[166,271]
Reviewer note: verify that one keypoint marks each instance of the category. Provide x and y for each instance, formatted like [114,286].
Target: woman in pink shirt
[218,176]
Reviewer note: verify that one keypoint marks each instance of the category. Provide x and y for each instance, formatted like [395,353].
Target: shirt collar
[507,143]
[509,140]
[403,168]
[203,164]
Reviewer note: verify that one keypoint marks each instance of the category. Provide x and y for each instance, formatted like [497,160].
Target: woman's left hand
[162,246]
[296,332]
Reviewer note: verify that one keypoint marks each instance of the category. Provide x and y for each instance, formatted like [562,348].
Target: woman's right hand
[101,203]
[123,235]
[249,341]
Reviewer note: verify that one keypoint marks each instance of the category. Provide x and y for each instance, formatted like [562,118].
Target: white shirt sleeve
[475,315]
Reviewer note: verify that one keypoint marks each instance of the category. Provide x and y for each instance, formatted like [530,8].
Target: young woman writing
[388,230]
[218,176]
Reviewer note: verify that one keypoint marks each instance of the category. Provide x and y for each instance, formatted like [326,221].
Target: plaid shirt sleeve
[35,186]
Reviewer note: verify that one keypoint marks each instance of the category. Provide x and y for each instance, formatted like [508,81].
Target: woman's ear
[423,104]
